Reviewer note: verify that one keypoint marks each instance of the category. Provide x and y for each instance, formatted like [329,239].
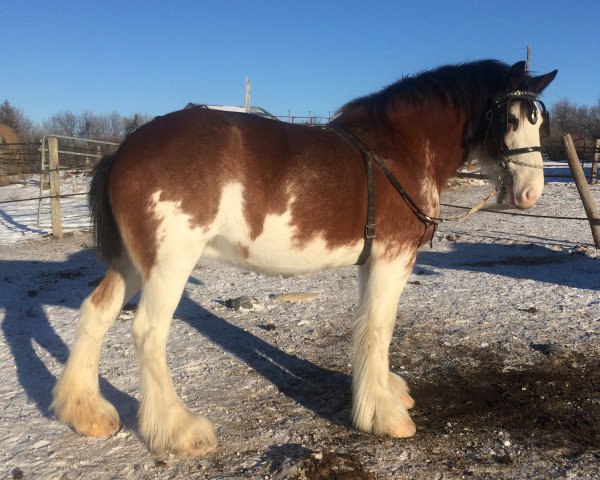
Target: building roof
[261,112]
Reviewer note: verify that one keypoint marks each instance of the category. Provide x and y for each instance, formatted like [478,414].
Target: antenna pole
[247,106]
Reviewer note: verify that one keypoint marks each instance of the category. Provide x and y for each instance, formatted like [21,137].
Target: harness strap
[422,216]
[370,157]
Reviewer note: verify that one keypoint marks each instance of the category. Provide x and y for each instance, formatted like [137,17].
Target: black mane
[466,86]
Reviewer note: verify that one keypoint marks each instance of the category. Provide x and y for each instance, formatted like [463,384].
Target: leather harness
[371,157]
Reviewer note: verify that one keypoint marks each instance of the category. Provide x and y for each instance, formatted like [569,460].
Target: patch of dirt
[477,413]
[332,466]
[555,400]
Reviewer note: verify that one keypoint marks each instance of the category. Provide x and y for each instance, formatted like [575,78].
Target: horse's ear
[515,75]
[537,84]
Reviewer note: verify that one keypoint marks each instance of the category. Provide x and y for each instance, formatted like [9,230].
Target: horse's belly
[281,257]
[277,248]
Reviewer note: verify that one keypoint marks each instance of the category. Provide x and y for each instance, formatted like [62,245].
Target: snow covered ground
[498,336]
[19,206]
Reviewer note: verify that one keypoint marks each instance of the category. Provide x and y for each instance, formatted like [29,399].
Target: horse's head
[511,151]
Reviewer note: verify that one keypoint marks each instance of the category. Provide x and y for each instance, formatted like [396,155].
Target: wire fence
[515,214]
[587,149]
[304,120]
[78,158]
[77,154]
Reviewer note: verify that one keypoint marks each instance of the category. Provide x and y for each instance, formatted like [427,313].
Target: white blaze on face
[528,181]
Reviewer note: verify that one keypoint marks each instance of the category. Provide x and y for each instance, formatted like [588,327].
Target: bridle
[500,105]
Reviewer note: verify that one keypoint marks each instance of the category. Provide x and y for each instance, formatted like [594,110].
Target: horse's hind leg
[380,398]
[165,423]
[77,398]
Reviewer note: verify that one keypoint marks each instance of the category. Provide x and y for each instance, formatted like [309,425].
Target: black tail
[106,232]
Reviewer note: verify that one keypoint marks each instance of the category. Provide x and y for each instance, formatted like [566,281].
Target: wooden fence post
[594,178]
[583,189]
[1,168]
[54,187]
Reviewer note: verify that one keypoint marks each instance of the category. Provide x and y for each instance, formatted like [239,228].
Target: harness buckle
[370,230]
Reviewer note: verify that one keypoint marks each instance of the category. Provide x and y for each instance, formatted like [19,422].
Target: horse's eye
[512,121]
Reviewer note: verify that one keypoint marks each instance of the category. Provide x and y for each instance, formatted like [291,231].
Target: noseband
[500,105]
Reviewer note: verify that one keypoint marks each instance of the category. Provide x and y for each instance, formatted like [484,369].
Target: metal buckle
[370,230]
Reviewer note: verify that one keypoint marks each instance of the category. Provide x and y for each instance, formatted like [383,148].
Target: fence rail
[26,158]
[309,120]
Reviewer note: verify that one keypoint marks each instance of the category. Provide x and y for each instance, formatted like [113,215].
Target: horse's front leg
[380,397]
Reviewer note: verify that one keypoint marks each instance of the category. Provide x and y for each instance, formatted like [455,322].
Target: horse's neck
[429,140]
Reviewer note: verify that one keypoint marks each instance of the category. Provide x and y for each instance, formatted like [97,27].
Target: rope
[502,212]
[472,210]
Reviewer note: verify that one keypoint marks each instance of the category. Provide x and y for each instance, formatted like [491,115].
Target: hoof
[188,435]
[405,428]
[198,440]
[92,417]
[384,416]
[406,400]
[197,450]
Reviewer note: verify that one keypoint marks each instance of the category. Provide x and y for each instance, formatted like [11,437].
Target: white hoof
[92,415]
[187,435]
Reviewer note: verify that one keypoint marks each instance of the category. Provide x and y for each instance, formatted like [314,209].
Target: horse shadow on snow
[527,262]
[30,288]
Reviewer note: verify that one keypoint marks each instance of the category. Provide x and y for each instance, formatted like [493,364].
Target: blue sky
[154,57]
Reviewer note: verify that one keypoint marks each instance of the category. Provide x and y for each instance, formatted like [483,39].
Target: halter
[532,102]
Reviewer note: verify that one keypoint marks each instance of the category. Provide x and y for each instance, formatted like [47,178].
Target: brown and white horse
[285,199]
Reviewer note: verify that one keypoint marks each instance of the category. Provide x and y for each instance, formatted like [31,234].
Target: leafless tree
[63,123]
